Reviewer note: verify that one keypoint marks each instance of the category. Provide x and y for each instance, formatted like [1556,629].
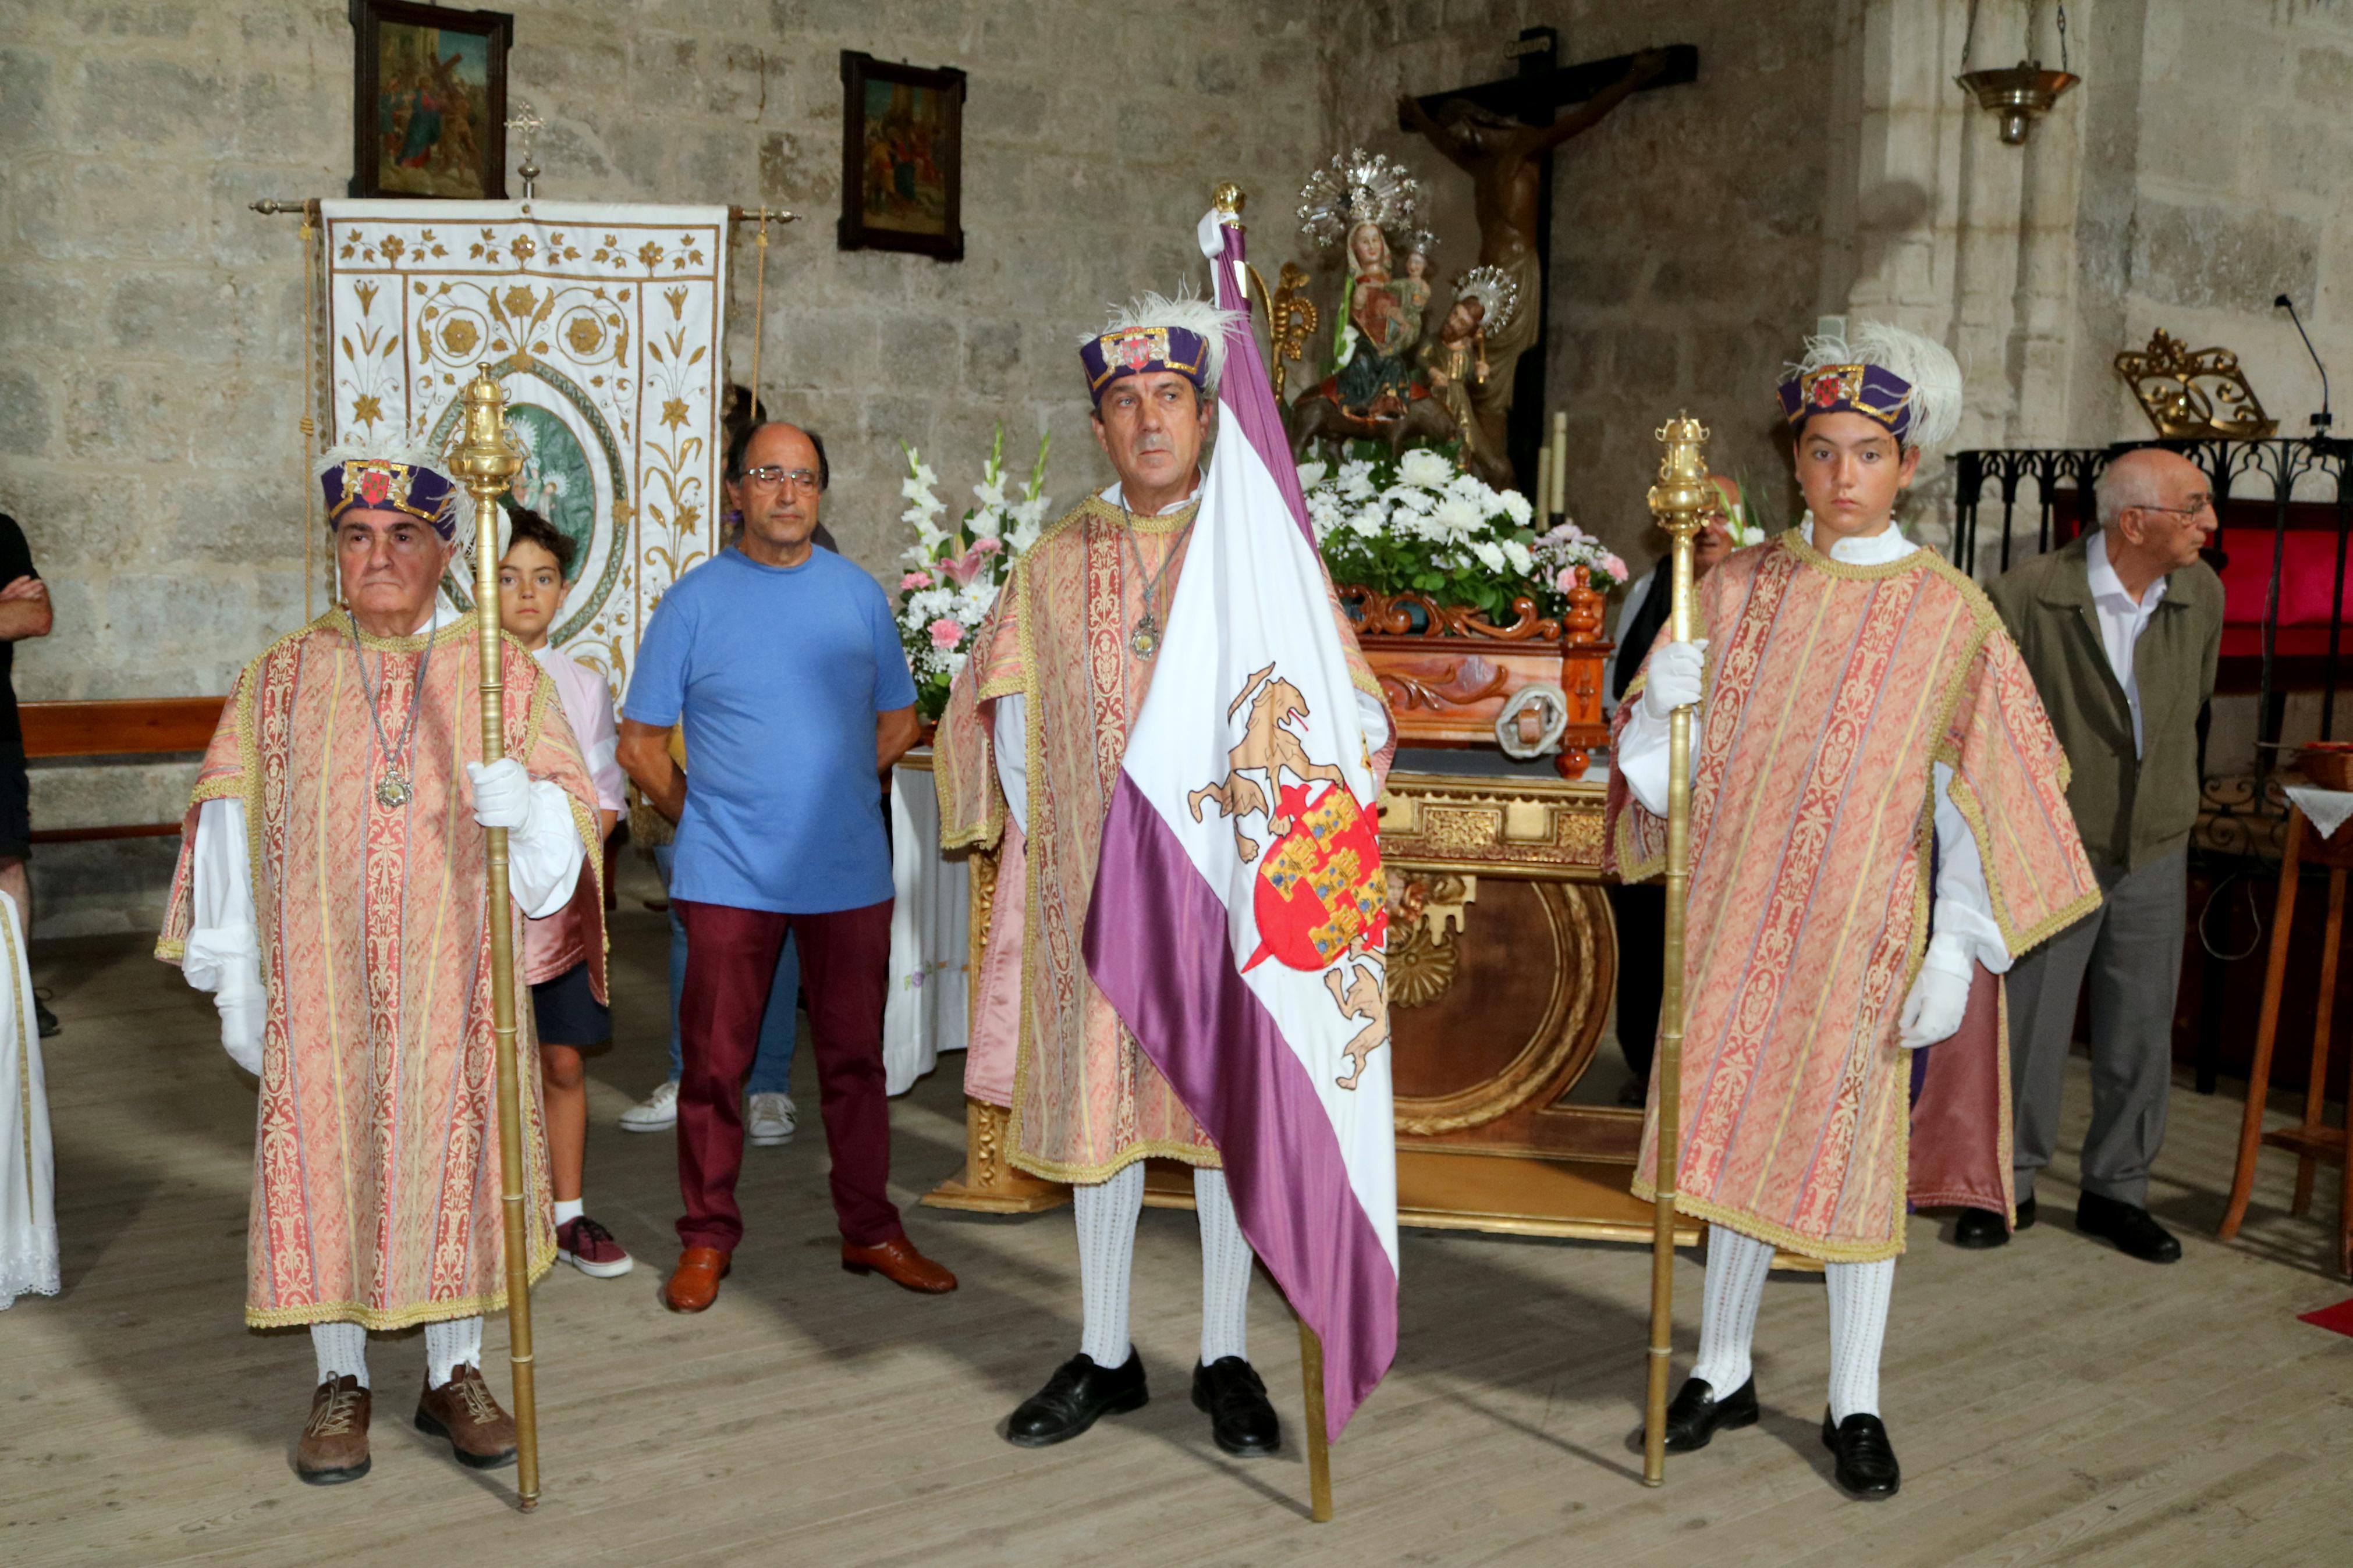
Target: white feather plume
[1934,375]
[461,503]
[1187,312]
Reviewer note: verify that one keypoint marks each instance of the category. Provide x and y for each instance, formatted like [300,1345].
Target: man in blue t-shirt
[783,662]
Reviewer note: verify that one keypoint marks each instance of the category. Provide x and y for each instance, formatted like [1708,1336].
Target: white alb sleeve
[1012,717]
[1963,910]
[544,855]
[1641,756]
[223,954]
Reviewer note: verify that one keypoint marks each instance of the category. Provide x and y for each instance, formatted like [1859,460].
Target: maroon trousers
[731,962]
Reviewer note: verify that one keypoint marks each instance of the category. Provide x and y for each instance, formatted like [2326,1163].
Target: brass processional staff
[486,461]
[1676,499]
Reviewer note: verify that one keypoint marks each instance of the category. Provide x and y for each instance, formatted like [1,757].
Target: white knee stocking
[1226,1259]
[1107,1211]
[450,1345]
[342,1350]
[1736,1267]
[1858,1298]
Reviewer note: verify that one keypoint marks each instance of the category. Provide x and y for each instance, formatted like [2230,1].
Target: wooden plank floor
[2052,1402]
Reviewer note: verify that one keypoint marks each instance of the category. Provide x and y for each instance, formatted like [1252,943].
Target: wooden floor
[2051,1402]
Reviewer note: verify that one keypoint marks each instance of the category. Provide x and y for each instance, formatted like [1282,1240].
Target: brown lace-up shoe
[334,1445]
[898,1261]
[481,1435]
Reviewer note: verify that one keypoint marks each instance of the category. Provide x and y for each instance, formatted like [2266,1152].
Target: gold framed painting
[901,157]
[430,102]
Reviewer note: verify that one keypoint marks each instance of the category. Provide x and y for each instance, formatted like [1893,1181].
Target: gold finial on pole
[1676,500]
[486,460]
[1228,198]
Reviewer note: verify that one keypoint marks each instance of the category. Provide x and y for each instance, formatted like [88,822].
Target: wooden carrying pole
[1675,499]
[1319,1442]
[485,462]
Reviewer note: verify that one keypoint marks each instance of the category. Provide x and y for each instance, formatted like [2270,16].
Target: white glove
[1673,680]
[501,792]
[241,1017]
[1940,996]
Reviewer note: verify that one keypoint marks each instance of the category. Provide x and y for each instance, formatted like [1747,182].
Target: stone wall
[151,360]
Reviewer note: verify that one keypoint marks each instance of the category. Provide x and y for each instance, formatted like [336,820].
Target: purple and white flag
[1240,917]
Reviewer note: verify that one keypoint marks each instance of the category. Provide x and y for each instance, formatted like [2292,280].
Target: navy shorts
[567,1011]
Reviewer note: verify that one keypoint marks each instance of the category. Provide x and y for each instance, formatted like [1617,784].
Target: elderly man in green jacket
[2121,629]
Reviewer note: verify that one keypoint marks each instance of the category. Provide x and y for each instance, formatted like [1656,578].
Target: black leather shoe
[1241,1417]
[1977,1229]
[1074,1398]
[2025,1212]
[1697,1415]
[1867,1459]
[2131,1226]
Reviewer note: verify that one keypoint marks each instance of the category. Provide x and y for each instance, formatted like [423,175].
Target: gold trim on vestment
[1910,560]
[1782,1236]
[377,1320]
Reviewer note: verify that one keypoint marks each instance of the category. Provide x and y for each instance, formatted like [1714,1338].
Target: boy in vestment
[1879,825]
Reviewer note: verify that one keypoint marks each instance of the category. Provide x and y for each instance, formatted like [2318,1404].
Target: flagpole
[1319,1443]
[487,462]
[1675,499]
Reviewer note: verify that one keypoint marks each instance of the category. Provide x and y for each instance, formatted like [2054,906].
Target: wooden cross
[1534,96]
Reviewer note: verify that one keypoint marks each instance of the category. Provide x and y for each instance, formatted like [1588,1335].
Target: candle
[1543,480]
[1558,495]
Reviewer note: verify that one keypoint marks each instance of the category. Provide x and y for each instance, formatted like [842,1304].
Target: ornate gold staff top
[1682,488]
[486,461]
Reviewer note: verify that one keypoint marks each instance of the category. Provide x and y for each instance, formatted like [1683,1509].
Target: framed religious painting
[902,158]
[430,102]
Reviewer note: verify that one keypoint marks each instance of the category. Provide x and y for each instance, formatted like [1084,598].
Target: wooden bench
[133,726]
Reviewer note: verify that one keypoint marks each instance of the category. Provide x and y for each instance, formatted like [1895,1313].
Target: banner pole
[1319,1443]
[487,462]
[1675,499]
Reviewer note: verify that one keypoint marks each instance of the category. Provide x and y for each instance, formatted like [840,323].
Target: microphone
[2321,421]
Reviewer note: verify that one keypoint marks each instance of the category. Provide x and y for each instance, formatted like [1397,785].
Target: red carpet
[2338,1318]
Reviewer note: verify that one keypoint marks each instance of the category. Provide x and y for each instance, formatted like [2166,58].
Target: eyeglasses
[799,479]
[2203,503]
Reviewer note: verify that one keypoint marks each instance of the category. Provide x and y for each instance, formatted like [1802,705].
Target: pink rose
[914,580]
[946,632]
[1566,581]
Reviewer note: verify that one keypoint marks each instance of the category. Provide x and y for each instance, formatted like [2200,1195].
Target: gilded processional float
[1482,612]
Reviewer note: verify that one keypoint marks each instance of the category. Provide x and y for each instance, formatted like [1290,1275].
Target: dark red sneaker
[590,1247]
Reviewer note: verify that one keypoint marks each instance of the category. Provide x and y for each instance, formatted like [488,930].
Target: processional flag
[1239,916]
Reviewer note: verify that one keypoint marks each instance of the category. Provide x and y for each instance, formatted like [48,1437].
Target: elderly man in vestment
[330,896]
[1030,749]
[1879,826]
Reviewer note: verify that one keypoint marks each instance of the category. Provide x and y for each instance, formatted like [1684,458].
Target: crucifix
[527,125]
[1502,133]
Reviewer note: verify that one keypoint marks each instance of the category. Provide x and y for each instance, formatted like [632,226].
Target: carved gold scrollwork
[1427,916]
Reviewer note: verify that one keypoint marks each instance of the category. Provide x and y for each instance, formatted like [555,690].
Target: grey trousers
[2132,946]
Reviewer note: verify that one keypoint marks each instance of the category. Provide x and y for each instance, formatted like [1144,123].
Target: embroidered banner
[603,323]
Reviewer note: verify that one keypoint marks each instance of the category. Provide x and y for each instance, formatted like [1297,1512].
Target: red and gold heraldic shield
[1321,893]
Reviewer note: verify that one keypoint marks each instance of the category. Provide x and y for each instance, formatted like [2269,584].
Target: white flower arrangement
[953,573]
[1416,523]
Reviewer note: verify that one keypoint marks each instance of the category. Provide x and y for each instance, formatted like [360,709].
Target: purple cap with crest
[1137,351]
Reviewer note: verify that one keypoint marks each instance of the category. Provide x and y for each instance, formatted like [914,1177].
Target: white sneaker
[656,1111]
[771,1119]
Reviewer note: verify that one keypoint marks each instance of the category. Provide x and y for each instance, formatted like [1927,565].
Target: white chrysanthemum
[1515,507]
[1522,561]
[1311,474]
[1356,480]
[1459,517]
[1490,553]
[1425,467]
[1419,502]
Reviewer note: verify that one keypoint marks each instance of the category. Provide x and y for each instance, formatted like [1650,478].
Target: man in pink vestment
[331,895]
[1879,825]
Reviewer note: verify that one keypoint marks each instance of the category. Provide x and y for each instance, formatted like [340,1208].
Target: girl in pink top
[563,954]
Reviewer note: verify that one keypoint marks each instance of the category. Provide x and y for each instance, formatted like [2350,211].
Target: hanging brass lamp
[2021,94]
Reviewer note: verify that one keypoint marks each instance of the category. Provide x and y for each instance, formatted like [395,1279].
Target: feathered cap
[1185,334]
[385,479]
[1897,379]
[1497,295]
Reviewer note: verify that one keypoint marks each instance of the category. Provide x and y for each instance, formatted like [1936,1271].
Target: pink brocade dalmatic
[377,1183]
[1085,1099]
[1831,689]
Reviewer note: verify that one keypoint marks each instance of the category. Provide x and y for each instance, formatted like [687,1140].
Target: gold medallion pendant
[1146,640]
[392,791]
